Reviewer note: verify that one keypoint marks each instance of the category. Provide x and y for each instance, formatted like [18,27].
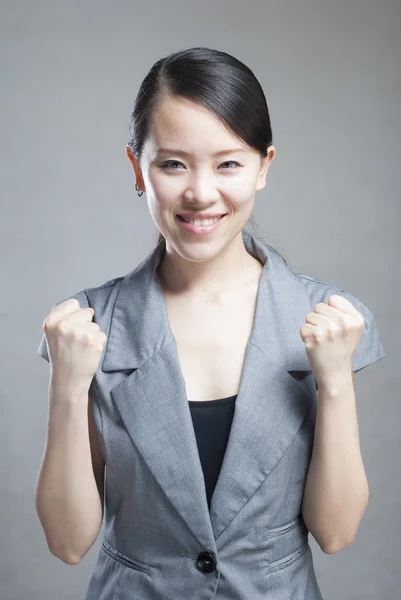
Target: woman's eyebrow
[182,153]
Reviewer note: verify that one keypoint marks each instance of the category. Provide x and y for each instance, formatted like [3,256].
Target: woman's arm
[69,491]
[336,491]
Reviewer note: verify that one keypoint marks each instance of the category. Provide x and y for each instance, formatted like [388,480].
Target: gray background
[71,217]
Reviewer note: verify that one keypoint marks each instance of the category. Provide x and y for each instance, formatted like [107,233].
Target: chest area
[211,338]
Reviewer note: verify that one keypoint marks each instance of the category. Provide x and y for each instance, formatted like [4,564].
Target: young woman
[211,388]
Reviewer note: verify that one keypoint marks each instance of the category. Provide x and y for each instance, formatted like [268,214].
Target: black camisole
[212,421]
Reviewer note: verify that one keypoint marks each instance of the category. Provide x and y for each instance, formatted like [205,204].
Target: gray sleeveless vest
[160,540]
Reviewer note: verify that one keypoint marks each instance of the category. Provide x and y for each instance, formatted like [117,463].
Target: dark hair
[216,80]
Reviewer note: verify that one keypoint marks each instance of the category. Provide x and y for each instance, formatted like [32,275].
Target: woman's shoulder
[317,288]
[87,295]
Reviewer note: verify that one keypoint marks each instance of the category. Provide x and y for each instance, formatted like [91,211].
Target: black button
[206,561]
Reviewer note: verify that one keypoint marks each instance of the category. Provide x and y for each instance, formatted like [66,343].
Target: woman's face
[187,177]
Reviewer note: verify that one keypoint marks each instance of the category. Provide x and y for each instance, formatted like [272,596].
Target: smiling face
[188,178]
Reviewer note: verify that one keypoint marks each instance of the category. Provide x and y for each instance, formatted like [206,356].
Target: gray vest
[160,540]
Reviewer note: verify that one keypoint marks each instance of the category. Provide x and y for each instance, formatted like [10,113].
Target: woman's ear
[136,168]
[264,167]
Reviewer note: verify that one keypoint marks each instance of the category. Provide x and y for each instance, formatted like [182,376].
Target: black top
[212,423]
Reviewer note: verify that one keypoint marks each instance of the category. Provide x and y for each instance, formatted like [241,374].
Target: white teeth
[201,222]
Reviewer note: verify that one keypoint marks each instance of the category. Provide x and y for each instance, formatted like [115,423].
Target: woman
[212,348]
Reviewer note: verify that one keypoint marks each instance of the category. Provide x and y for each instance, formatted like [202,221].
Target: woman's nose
[202,189]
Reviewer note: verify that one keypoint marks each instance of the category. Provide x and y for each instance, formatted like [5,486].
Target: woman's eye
[233,162]
[168,164]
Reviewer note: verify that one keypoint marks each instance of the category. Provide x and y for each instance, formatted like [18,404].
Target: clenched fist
[75,345]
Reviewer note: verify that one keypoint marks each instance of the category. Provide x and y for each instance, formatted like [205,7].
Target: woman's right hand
[75,345]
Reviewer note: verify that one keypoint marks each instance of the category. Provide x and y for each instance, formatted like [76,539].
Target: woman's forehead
[188,129]
[181,118]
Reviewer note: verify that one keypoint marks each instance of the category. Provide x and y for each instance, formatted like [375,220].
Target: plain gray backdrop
[70,217]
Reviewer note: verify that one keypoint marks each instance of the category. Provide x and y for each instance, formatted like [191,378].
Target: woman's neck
[229,271]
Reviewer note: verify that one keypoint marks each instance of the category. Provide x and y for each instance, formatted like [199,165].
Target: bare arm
[336,492]
[69,491]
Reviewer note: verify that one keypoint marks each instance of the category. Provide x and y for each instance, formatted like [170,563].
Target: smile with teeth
[200,222]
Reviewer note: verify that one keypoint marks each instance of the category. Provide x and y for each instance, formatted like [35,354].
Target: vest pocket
[124,559]
[273,531]
[288,560]
[286,544]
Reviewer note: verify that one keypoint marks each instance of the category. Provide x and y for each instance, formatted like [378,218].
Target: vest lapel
[270,407]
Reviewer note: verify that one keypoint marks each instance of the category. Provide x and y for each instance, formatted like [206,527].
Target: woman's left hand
[331,335]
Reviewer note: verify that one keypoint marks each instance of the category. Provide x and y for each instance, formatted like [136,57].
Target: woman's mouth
[201,226]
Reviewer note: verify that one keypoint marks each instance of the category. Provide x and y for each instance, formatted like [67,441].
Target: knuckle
[347,322]
[77,335]
[73,302]
[332,330]
[318,334]
[61,328]
[49,322]
[89,337]
[46,323]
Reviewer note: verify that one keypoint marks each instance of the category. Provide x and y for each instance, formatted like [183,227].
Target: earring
[137,189]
